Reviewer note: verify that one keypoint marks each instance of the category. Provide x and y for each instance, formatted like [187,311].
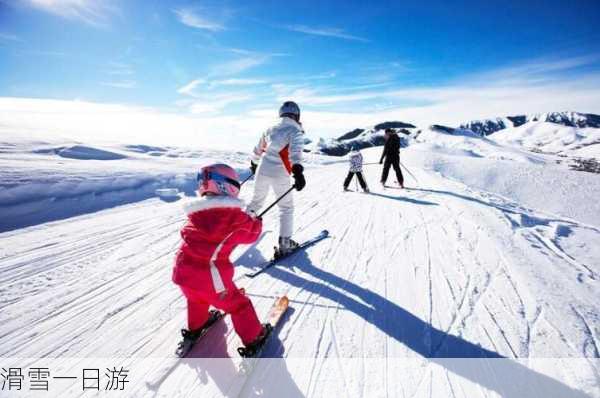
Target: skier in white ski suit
[277,154]
[356,165]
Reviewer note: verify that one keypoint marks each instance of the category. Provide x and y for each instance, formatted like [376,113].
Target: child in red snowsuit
[216,225]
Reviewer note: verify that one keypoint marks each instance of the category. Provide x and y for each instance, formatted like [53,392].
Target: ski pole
[408,171]
[278,199]
[247,178]
[366,164]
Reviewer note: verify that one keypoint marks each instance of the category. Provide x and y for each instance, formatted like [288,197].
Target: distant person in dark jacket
[391,154]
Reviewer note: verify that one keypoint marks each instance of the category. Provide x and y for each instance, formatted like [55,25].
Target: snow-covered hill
[569,119]
[492,255]
[49,180]
[553,138]
[361,138]
[567,133]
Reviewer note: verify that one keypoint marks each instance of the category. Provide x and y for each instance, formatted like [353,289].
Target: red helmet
[218,179]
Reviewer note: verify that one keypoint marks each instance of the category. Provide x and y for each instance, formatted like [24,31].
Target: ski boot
[367,190]
[346,189]
[286,246]
[190,337]
[254,348]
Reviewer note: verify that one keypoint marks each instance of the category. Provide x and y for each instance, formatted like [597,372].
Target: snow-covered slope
[570,119]
[492,255]
[43,181]
[553,138]
[49,180]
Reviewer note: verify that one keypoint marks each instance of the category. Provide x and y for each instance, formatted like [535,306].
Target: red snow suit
[216,225]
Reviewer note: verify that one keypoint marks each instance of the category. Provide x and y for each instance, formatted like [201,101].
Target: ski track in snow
[402,273]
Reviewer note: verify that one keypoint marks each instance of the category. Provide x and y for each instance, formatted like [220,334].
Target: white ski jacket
[280,147]
[356,162]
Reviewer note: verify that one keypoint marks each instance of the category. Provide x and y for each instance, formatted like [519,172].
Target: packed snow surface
[492,254]
[552,138]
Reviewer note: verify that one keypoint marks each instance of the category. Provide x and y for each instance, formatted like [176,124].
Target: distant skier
[356,164]
[277,154]
[216,224]
[391,154]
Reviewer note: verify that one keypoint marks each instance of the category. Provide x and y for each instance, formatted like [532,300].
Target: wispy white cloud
[205,96]
[321,76]
[529,87]
[212,103]
[188,89]
[239,65]
[216,103]
[237,82]
[536,70]
[194,19]
[121,75]
[93,12]
[9,37]
[121,84]
[327,32]
[120,69]
[245,52]
[212,99]
[529,74]
[43,53]
[240,51]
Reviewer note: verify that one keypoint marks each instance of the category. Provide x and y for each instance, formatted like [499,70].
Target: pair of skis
[273,317]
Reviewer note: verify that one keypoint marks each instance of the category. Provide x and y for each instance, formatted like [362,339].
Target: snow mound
[461,142]
[140,148]
[81,152]
[552,138]
[167,192]
[42,181]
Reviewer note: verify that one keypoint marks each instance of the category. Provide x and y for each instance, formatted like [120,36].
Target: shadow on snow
[492,370]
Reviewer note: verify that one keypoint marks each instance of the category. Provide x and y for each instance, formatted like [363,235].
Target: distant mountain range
[361,138]
[570,119]
[373,136]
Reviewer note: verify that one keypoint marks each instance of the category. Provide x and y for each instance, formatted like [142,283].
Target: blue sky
[346,62]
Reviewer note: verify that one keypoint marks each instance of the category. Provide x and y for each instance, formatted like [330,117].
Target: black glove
[253,167]
[299,181]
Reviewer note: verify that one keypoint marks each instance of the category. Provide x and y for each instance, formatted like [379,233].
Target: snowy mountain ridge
[555,132]
[362,138]
[570,119]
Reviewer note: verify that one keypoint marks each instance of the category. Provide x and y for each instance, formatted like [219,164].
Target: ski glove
[299,181]
[253,167]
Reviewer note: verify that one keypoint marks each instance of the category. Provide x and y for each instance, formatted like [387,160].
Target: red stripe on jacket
[284,154]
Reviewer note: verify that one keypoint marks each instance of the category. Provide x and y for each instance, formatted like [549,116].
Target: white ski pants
[280,184]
